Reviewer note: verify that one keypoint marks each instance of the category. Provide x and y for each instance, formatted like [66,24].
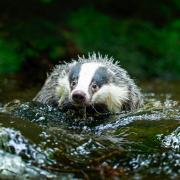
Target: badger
[91,82]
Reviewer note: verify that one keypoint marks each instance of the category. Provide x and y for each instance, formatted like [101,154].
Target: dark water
[40,142]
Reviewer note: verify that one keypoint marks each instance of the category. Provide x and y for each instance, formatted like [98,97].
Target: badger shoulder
[90,82]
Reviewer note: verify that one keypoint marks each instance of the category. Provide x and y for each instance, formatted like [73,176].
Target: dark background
[144,36]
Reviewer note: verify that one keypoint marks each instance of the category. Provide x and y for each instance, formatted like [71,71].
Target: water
[38,141]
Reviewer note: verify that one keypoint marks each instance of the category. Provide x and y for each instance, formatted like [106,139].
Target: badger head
[92,84]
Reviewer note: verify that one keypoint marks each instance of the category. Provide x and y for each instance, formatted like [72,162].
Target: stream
[41,142]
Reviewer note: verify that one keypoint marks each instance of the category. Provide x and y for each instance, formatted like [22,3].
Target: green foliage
[28,40]
[169,50]
[36,36]
[10,60]
[143,49]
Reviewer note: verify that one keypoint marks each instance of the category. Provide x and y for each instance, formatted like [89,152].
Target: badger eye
[94,87]
[73,83]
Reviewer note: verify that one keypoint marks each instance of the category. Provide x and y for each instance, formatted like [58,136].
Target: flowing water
[41,142]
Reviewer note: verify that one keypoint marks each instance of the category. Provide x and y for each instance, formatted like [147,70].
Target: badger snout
[79,97]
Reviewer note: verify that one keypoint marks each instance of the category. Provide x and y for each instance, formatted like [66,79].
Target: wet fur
[120,93]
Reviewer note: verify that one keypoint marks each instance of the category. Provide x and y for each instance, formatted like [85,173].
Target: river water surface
[41,142]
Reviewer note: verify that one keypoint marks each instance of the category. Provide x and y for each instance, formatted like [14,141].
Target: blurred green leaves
[10,60]
[145,50]
[25,40]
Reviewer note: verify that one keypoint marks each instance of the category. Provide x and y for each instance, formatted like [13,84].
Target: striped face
[86,80]
[92,84]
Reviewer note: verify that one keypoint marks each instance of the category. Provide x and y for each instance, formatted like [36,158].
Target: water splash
[171,141]
[137,144]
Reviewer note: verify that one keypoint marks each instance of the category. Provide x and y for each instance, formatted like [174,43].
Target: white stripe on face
[85,77]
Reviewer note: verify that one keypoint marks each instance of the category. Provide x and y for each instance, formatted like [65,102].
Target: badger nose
[79,96]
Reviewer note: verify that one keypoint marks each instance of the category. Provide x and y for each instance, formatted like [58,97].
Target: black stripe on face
[74,72]
[101,76]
